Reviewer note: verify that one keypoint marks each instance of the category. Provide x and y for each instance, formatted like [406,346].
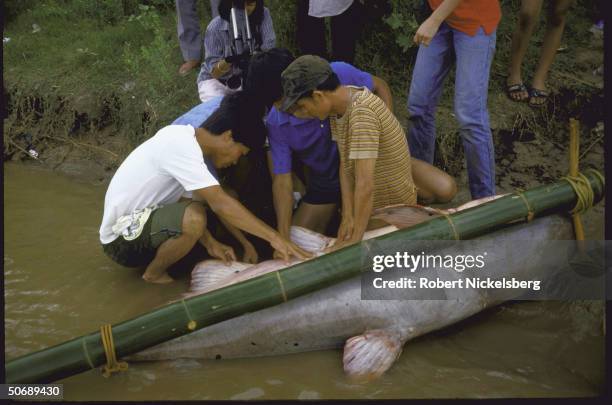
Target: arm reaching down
[347,191]
[250,253]
[282,190]
[429,28]
[237,215]
[363,201]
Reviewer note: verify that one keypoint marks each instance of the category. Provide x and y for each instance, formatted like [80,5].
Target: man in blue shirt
[309,140]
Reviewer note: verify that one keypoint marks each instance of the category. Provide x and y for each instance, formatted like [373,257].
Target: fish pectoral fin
[209,273]
[368,356]
[309,240]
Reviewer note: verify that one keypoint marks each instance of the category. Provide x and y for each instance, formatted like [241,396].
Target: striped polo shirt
[369,130]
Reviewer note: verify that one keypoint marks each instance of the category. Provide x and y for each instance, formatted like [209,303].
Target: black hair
[255,18]
[330,84]
[264,74]
[243,115]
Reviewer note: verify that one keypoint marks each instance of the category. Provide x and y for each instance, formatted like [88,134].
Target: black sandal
[514,89]
[538,94]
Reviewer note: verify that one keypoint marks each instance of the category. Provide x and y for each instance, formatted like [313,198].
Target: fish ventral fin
[208,273]
[368,356]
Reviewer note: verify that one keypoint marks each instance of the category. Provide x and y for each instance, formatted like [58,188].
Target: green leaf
[404,41]
[394,21]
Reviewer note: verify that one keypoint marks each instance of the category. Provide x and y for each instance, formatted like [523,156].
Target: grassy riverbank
[97,77]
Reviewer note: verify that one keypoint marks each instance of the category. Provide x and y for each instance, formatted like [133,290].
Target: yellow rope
[584,192]
[282,286]
[191,325]
[578,181]
[530,213]
[112,365]
[452,225]
[598,175]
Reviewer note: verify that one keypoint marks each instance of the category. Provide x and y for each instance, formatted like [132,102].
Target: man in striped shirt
[375,166]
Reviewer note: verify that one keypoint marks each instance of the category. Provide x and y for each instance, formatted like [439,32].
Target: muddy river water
[60,285]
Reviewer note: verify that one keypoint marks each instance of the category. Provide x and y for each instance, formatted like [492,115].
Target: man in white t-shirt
[145,224]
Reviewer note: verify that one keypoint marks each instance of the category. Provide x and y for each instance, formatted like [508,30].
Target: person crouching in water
[375,165]
[145,222]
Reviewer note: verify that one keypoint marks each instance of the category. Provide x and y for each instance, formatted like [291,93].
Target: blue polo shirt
[310,139]
[195,117]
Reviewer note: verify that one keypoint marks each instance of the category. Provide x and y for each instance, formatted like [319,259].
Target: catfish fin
[208,273]
[368,356]
[308,240]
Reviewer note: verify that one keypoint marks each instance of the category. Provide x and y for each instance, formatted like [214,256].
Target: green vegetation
[74,66]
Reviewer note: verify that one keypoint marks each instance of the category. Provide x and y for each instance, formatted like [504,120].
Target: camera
[243,46]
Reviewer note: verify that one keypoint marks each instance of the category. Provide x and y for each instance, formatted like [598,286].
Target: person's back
[370,130]
[157,172]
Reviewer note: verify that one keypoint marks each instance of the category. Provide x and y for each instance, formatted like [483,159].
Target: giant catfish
[372,332]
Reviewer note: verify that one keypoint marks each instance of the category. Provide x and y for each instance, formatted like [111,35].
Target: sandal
[515,89]
[536,94]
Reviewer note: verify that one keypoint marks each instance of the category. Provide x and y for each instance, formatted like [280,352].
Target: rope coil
[598,175]
[584,192]
[112,365]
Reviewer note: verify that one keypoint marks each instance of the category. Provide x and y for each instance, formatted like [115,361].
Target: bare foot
[187,66]
[163,279]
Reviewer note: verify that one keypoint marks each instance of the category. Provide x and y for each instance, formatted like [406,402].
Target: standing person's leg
[550,44]
[190,40]
[431,68]
[474,57]
[344,32]
[528,18]
[214,8]
[310,32]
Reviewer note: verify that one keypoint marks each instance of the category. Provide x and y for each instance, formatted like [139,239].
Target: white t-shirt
[326,8]
[159,171]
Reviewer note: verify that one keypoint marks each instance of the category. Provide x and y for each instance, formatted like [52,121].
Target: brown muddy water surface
[60,285]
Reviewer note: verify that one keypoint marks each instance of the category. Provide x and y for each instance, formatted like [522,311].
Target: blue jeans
[473,56]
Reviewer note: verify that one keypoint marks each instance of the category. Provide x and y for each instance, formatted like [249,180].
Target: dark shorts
[163,223]
[322,190]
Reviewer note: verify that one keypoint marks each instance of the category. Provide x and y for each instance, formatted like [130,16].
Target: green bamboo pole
[171,321]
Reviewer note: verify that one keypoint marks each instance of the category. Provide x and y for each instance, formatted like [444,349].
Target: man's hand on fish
[345,231]
[250,254]
[220,251]
[284,249]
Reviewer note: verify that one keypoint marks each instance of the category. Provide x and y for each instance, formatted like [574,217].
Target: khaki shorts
[163,223]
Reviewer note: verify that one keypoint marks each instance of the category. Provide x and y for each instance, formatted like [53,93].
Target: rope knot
[112,365]
[584,192]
